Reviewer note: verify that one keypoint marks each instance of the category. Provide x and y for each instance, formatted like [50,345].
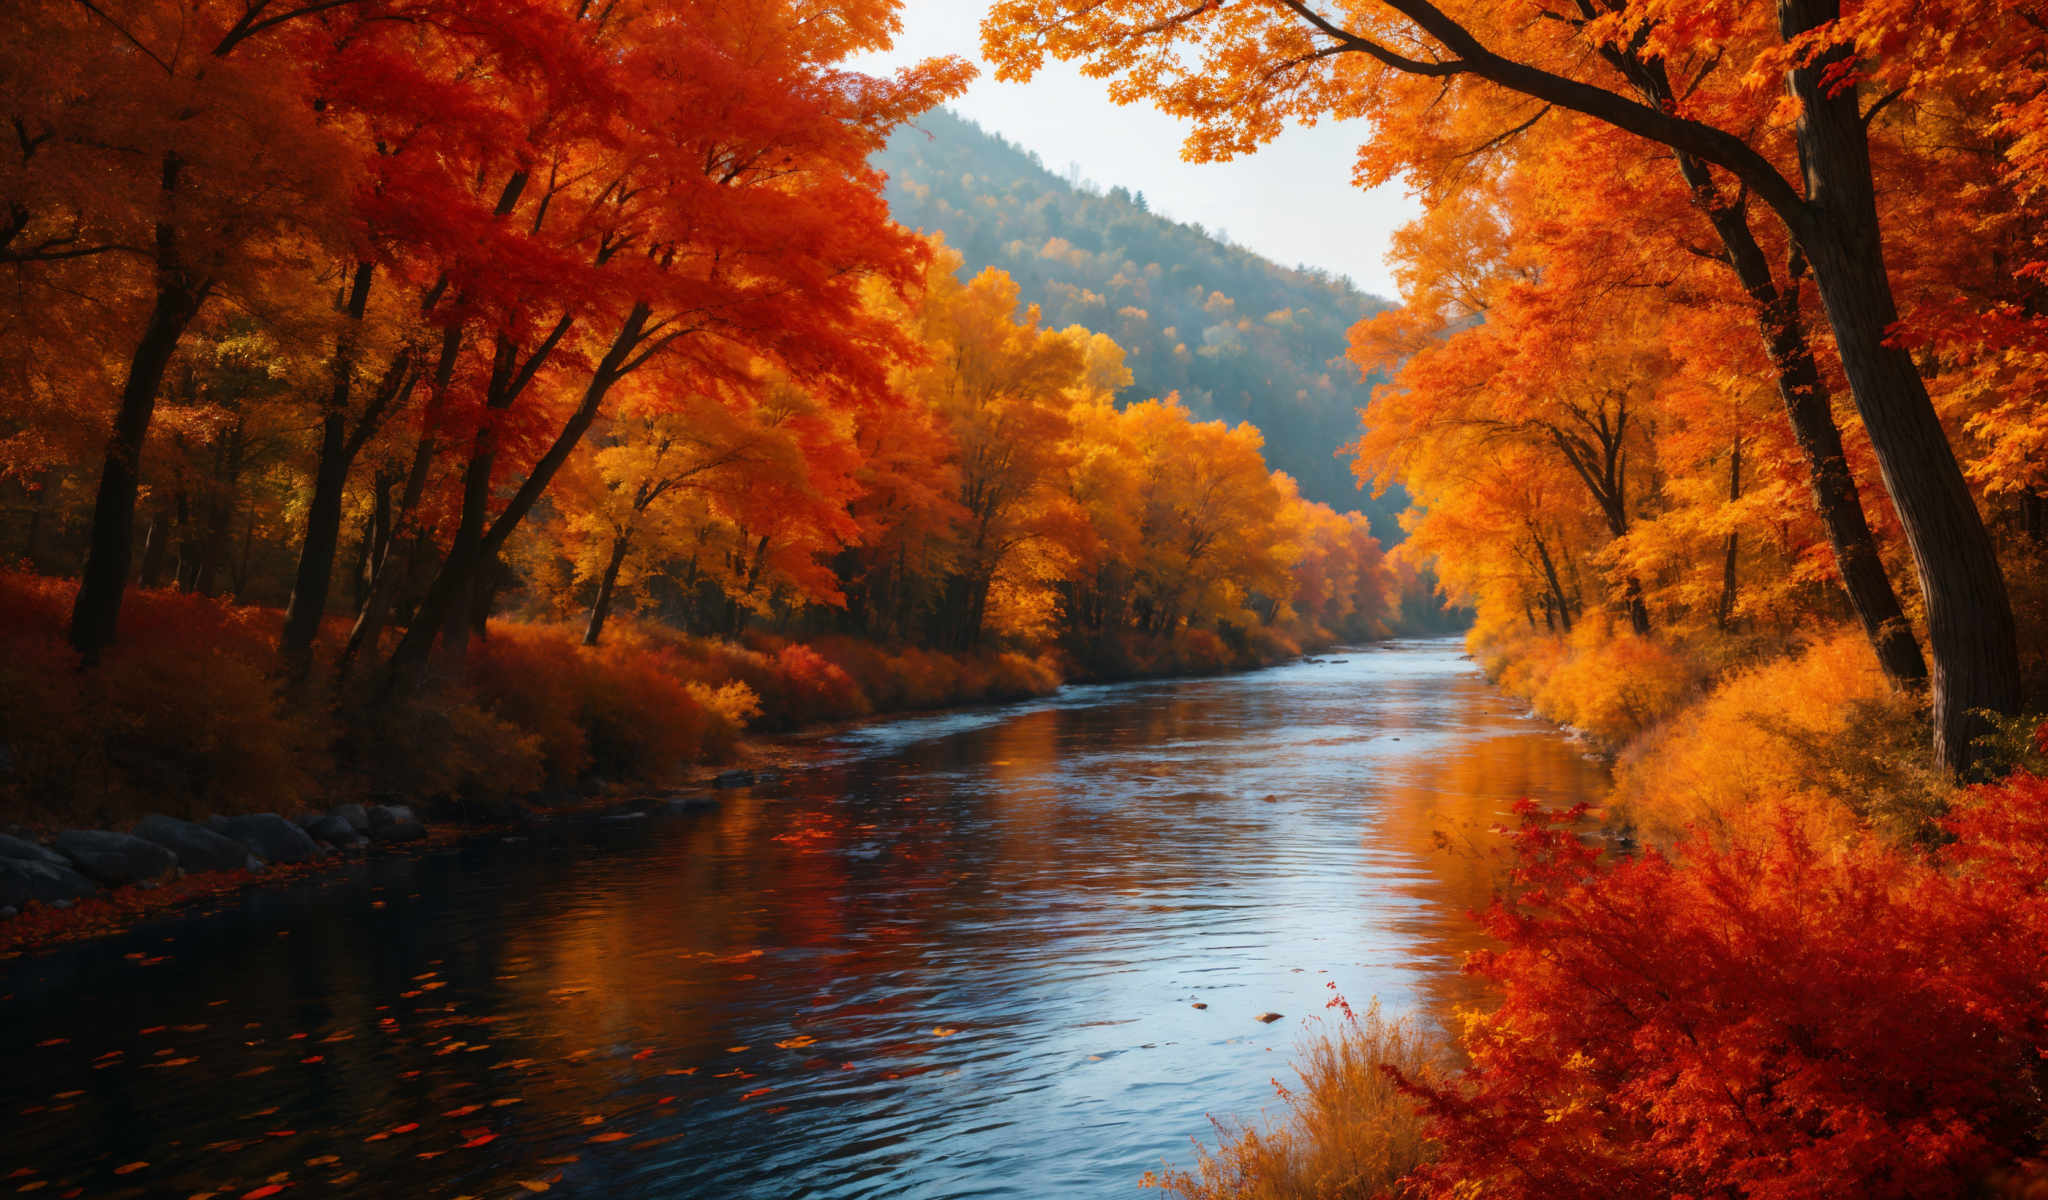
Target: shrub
[1819,738]
[181,715]
[633,709]
[1770,1020]
[1349,1131]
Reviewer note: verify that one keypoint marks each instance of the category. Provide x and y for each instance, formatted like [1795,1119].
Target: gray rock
[304,818]
[356,815]
[23,880]
[734,779]
[197,847]
[394,823]
[8,912]
[112,859]
[22,848]
[268,836]
[335,831]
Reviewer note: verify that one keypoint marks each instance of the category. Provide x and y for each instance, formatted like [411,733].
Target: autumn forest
[449,423]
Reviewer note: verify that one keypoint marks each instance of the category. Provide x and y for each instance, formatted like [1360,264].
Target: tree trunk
[330,483]
[1810,411]
[97,609]
[445,607]
[1732,551]
[1969,615]
[376,608]
[214,536]
[156,545]
[603,607]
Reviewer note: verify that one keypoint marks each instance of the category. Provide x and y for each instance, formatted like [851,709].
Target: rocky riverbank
[75,865]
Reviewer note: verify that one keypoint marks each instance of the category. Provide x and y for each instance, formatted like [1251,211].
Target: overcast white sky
[1292,202]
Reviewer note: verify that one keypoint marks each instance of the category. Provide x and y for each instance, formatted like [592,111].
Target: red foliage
[1778,1021]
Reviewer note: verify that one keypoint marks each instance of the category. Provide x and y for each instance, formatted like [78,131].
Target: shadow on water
[951,956]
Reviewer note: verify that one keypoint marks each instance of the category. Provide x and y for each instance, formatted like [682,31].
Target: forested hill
[1239,337]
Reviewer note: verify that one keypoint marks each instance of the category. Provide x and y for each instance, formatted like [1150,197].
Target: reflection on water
[949,956]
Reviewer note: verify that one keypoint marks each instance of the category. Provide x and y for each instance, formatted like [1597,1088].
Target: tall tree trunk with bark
[1969,615]
[606,583]
[376,607]
[97,610]
[330,484]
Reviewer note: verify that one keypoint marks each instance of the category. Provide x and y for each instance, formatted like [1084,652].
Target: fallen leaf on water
[797,1043]
[757,1092]
[533,1185]
[942,1031]
[593,1119]
[268,1189]
[735,1049]
[129,1168]
[464,1111]
[610,1135]
[324,1160]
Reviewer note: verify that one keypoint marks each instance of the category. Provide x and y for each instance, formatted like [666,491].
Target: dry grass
[1347,1133]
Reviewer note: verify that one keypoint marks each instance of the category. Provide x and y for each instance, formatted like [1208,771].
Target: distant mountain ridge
[1239,337]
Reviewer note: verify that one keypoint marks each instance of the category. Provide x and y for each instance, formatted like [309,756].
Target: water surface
[947,956]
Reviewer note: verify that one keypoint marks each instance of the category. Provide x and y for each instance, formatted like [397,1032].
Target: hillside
[1239,337]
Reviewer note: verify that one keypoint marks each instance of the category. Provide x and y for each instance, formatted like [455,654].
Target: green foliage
[1238,337]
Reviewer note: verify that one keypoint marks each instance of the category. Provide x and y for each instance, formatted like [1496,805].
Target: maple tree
[1240,70]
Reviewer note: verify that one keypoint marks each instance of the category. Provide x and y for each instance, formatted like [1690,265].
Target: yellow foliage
[1603,681]
[1818,739]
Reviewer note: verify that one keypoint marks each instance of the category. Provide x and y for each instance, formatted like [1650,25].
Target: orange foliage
[182,718]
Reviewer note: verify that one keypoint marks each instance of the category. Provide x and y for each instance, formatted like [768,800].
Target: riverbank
[1707,1012]
[184,725]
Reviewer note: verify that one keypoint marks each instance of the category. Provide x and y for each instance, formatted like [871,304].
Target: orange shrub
[1607,683]
[629,710]
[1819,739]
[181,716]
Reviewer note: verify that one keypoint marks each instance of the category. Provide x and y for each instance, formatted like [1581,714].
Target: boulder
[112,859]
[23,880]
[335,831]
[734,779]
[394,823]
[356,815]
[304,818]
[22,848]
[197,847]
[269,836]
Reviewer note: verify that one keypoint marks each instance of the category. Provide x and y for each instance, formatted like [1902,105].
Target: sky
[1293,202]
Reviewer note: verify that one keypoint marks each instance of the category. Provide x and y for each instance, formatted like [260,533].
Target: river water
[946,956]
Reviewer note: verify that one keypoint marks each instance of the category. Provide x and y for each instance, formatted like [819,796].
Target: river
[943,956]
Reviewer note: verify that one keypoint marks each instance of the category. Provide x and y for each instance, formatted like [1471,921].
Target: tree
[1240,70]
